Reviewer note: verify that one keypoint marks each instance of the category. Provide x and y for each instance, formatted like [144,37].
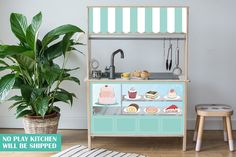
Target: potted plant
[30,67]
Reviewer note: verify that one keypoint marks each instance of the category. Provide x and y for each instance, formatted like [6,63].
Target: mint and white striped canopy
[137,19]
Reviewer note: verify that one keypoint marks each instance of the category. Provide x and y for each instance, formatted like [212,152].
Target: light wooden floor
[213,145]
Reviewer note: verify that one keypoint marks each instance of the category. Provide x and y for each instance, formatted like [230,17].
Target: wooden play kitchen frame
[107,22]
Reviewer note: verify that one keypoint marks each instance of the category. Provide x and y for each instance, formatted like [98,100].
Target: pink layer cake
[106,95]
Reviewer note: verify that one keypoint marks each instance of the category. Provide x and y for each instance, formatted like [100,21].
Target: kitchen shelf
[136,36]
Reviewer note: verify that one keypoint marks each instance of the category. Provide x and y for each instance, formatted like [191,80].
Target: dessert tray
[125,110]
[168,98]
[176,111]
[137,97]
[145,110]
[151,98]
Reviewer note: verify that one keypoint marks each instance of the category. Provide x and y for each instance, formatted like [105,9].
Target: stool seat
[219,110]
[216,110]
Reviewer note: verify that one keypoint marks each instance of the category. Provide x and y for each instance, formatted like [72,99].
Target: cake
[151,110]
[132,93]
[106,95]
[172,94]
[151,95]
[172,108]
[132,108]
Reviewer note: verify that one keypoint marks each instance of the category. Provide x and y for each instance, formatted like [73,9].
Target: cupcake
[132,93]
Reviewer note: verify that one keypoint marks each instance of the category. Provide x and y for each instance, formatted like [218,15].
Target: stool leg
[230,135]
[199,134]
[225,129]
[196,128]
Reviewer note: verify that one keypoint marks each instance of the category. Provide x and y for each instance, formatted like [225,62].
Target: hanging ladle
[177,70]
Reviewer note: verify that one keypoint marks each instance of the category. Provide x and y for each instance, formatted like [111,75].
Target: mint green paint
[126,124]
[27,142]
[90,20]
[149,125]
[104,20]
[163,20]
[139,125]
[148,20]
[178,20]
[133,20]
[172,125]
[119,20]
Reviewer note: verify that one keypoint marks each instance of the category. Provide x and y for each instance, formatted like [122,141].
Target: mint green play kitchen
[137,102]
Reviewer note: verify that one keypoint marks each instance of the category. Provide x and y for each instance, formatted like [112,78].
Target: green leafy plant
[30,66]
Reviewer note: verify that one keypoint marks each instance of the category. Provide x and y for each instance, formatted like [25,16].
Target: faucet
[112,66]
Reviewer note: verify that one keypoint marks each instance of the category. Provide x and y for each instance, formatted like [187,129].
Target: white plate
[137,97]
[179,111]
[125,110]
[125,78]
[150,98]
[158,110]
[176,98]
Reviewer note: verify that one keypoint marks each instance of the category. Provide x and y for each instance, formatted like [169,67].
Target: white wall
[211,59]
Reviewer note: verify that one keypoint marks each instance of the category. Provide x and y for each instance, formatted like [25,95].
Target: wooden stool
[213,110]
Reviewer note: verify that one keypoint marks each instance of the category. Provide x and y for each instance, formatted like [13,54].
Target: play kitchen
[137,102]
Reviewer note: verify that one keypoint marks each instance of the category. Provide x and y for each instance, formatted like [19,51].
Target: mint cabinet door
[126,125]
[102,125]
[149,125]
[172,125]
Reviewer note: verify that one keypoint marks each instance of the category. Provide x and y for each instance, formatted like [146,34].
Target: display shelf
[121,111]
[151,100]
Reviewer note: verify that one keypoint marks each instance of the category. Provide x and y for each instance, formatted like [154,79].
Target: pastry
[151,94]
[136,73]
[106,95]
[132,108]
[171,108]
[132,93]
[145,74]
[151,110]
[125,75]
[172,94]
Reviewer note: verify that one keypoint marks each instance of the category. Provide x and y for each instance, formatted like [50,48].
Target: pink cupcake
[132,93]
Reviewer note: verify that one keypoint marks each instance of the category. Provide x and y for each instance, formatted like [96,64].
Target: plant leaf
[21,108]
[52,74]
[68,70]
[16,98]
[42,106]
[10,50]
[15,104]
[32,31]
[53,51]
[6,84]
[72,79]
[24,113]
[26,92]
[25,62]
[3,63]
[18,26]
[56,109]
[61,30]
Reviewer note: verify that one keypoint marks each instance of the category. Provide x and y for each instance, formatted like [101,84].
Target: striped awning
[137,19]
